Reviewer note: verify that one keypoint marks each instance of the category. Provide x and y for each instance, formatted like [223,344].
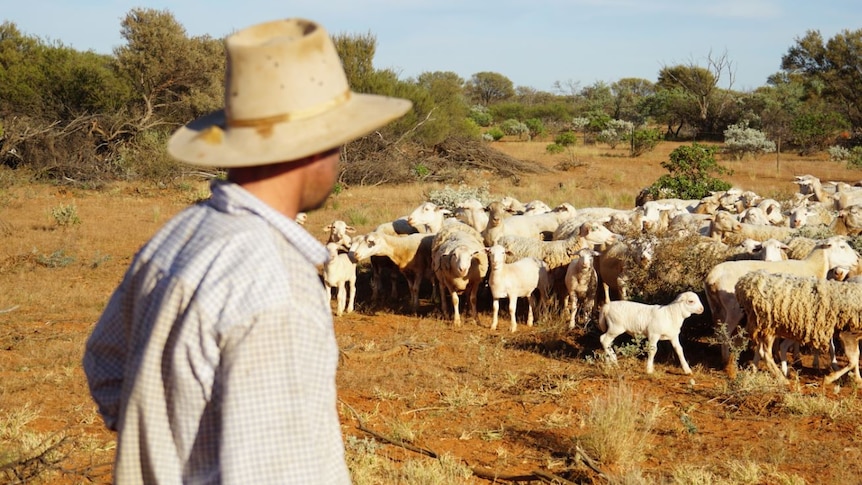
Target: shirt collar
[231,198]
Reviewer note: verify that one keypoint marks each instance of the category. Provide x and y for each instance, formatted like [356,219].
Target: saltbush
[554,148]
[514,127]
[449,197]
[740,140]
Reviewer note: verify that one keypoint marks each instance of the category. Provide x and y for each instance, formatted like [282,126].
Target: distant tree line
[87,117]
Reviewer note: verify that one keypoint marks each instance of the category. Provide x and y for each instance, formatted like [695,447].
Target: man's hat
[286,97]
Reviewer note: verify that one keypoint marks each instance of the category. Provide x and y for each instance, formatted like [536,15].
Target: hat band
[264,125]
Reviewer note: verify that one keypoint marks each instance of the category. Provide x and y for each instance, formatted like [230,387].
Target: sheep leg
[651,351]
[531,304]
[443,305]
[765,349]
[607,340]
[414,292]
[341,299]
[573,301]
[513,305]
[678,348]
[607,292]
[495,308]
[351,298]
[455,310]
[474,307]
[851,350]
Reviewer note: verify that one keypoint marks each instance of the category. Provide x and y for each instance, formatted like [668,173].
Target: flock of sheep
[780,284]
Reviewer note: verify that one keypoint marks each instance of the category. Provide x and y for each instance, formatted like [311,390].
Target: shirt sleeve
[104,360]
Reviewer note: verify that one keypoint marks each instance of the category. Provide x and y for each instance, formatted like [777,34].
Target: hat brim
[208,141]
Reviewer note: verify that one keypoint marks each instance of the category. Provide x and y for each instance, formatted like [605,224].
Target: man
[215,358]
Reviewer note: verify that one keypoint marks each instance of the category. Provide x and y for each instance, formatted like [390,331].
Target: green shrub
[644,140]
[495,133]
[555,148]
[690,176]
[855,158]
[65,215]
[566,138]
[536,127]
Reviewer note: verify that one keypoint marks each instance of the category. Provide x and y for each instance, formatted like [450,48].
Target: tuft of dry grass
[618,426]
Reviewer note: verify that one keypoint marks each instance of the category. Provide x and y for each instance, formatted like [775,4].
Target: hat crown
[286,69]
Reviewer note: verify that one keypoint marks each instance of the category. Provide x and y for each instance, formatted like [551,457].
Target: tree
[450,108]
[175,77]
[836,64]
[627,94]
[701,83]
[490,87]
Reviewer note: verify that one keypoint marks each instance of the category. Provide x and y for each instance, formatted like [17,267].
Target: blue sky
[532,42]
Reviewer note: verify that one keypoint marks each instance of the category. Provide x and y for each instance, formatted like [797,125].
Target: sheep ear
[328,227]
[445,211]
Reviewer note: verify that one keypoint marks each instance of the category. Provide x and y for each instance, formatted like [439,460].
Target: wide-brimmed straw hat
[286,97]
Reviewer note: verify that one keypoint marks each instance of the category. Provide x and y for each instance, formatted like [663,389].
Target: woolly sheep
[411,253]
[538,225]
[803,308]
[581,285]
[725,226]
[460,263]
[472,213]
[340,272]
[512,205]
[520,279]
[849,221]
[428,217]
[615,260]
[721,280]
[655,322]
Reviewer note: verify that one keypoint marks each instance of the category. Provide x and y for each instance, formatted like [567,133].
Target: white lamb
[340,272]
[520,279]
[655,322]
[339,233]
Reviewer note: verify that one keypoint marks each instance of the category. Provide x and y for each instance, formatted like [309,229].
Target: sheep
[497,214]
[558,253]
[538,225]
[721,280]
[339,233]
[514,280]
[614,260]
[769,250]
[848,222]
[428,217]
[411,253]
[726,227]
[535,207]
[685,223]
[655,322]
[512,205]
[847,196]
[581,284]
[771,208]
[301,218]
[340,272]
[460,264]
[810,185]
[803,308]
[472,213]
